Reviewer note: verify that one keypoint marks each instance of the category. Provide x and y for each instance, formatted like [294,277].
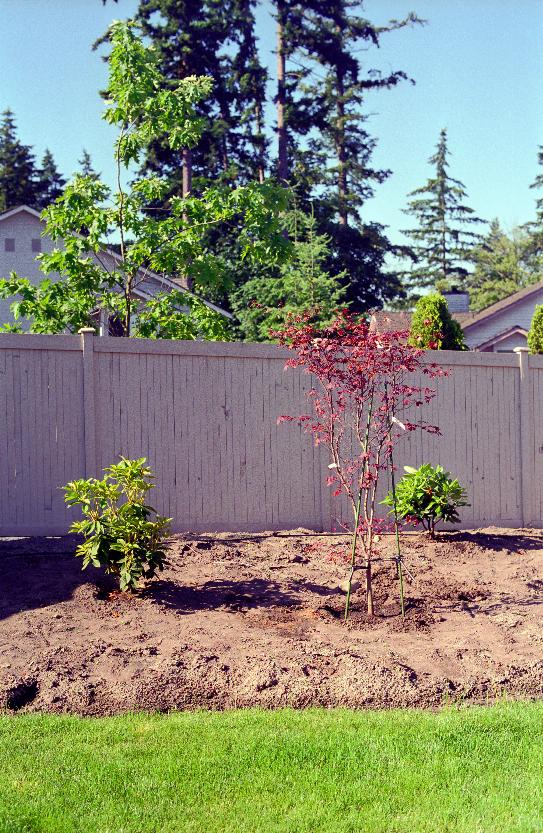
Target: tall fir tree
[50,181]
[443,241]
[19,179]
[86,167]
[534,229]
[214,38]
[324,148]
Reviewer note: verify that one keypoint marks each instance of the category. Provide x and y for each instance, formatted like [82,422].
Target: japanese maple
[363,398]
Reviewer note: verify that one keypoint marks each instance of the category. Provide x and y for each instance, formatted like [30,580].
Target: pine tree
[51,183]
[19,183]
[502,267]
[443,240]
[86,167]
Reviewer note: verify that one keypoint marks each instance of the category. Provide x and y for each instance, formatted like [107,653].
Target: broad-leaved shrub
[121,532]
[428,495]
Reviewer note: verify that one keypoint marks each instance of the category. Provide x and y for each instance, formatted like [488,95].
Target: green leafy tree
[19,183]
[302,286]
[433,327]
[143,108]
[443,240]
[502,266]
[535,333]
[50,181]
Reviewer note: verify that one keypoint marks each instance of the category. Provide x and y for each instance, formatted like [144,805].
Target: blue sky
[478,65]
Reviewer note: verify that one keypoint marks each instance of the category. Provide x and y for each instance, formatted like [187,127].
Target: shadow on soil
[232,595]
[498,543]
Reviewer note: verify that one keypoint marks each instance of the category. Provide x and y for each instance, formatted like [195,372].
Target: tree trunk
[187,172]
[260,143]
[282,150]
[340,149]
[369,589]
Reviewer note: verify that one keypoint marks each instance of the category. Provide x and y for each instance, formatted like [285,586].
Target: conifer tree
[535,333]
[301,286]
[502,266]
[443,240]
[534,229]
[86,167]
[50,182]
[19,184]
[433,327]
[204,37]
[325,147]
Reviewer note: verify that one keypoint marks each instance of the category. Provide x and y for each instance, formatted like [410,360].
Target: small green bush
[428,495]
[433,327]
[535,333]
[120,532]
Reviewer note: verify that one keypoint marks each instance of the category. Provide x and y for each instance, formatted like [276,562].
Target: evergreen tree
[50,181]
[302,286]
[86,167]
[433,327]
[324,148]
[216,39]
[19,183]
[443,241]
[502,267]
[535,333]
[534,229]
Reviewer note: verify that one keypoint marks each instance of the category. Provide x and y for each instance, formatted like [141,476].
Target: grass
[469,770]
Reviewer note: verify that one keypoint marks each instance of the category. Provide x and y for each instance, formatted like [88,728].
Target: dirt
[250,620]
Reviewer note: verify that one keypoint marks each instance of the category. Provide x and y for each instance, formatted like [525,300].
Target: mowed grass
[469,770]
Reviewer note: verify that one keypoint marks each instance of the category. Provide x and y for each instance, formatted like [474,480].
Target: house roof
[162,280]
[17,210]
[383,321]
[500,306]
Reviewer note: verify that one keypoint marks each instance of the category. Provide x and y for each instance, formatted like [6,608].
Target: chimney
[457,300]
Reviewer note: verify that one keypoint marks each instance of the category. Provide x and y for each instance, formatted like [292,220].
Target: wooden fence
[205,416]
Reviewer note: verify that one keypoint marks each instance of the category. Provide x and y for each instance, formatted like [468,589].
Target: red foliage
[358,370]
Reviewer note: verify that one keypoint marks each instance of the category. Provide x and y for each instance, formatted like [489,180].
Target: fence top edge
[37,341]
[248,350]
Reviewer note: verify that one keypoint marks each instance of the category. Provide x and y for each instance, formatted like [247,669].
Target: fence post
[89,410]
[526,426]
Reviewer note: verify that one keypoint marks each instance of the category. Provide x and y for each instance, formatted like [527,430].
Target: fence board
[205,416]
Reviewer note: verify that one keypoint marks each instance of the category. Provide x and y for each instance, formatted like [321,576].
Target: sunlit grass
[470,770]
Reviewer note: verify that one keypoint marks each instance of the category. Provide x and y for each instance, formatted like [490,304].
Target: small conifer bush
[433,327]
[535,334]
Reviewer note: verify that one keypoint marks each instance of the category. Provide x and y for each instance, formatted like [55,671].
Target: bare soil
[245,620]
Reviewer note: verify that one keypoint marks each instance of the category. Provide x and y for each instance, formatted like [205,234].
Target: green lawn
[475,770]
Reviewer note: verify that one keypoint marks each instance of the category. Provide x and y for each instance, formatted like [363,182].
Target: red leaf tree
[363,404]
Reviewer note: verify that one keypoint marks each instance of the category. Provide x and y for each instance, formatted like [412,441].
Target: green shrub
[428,495]
[433,327]
[535,334]
[121,535]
